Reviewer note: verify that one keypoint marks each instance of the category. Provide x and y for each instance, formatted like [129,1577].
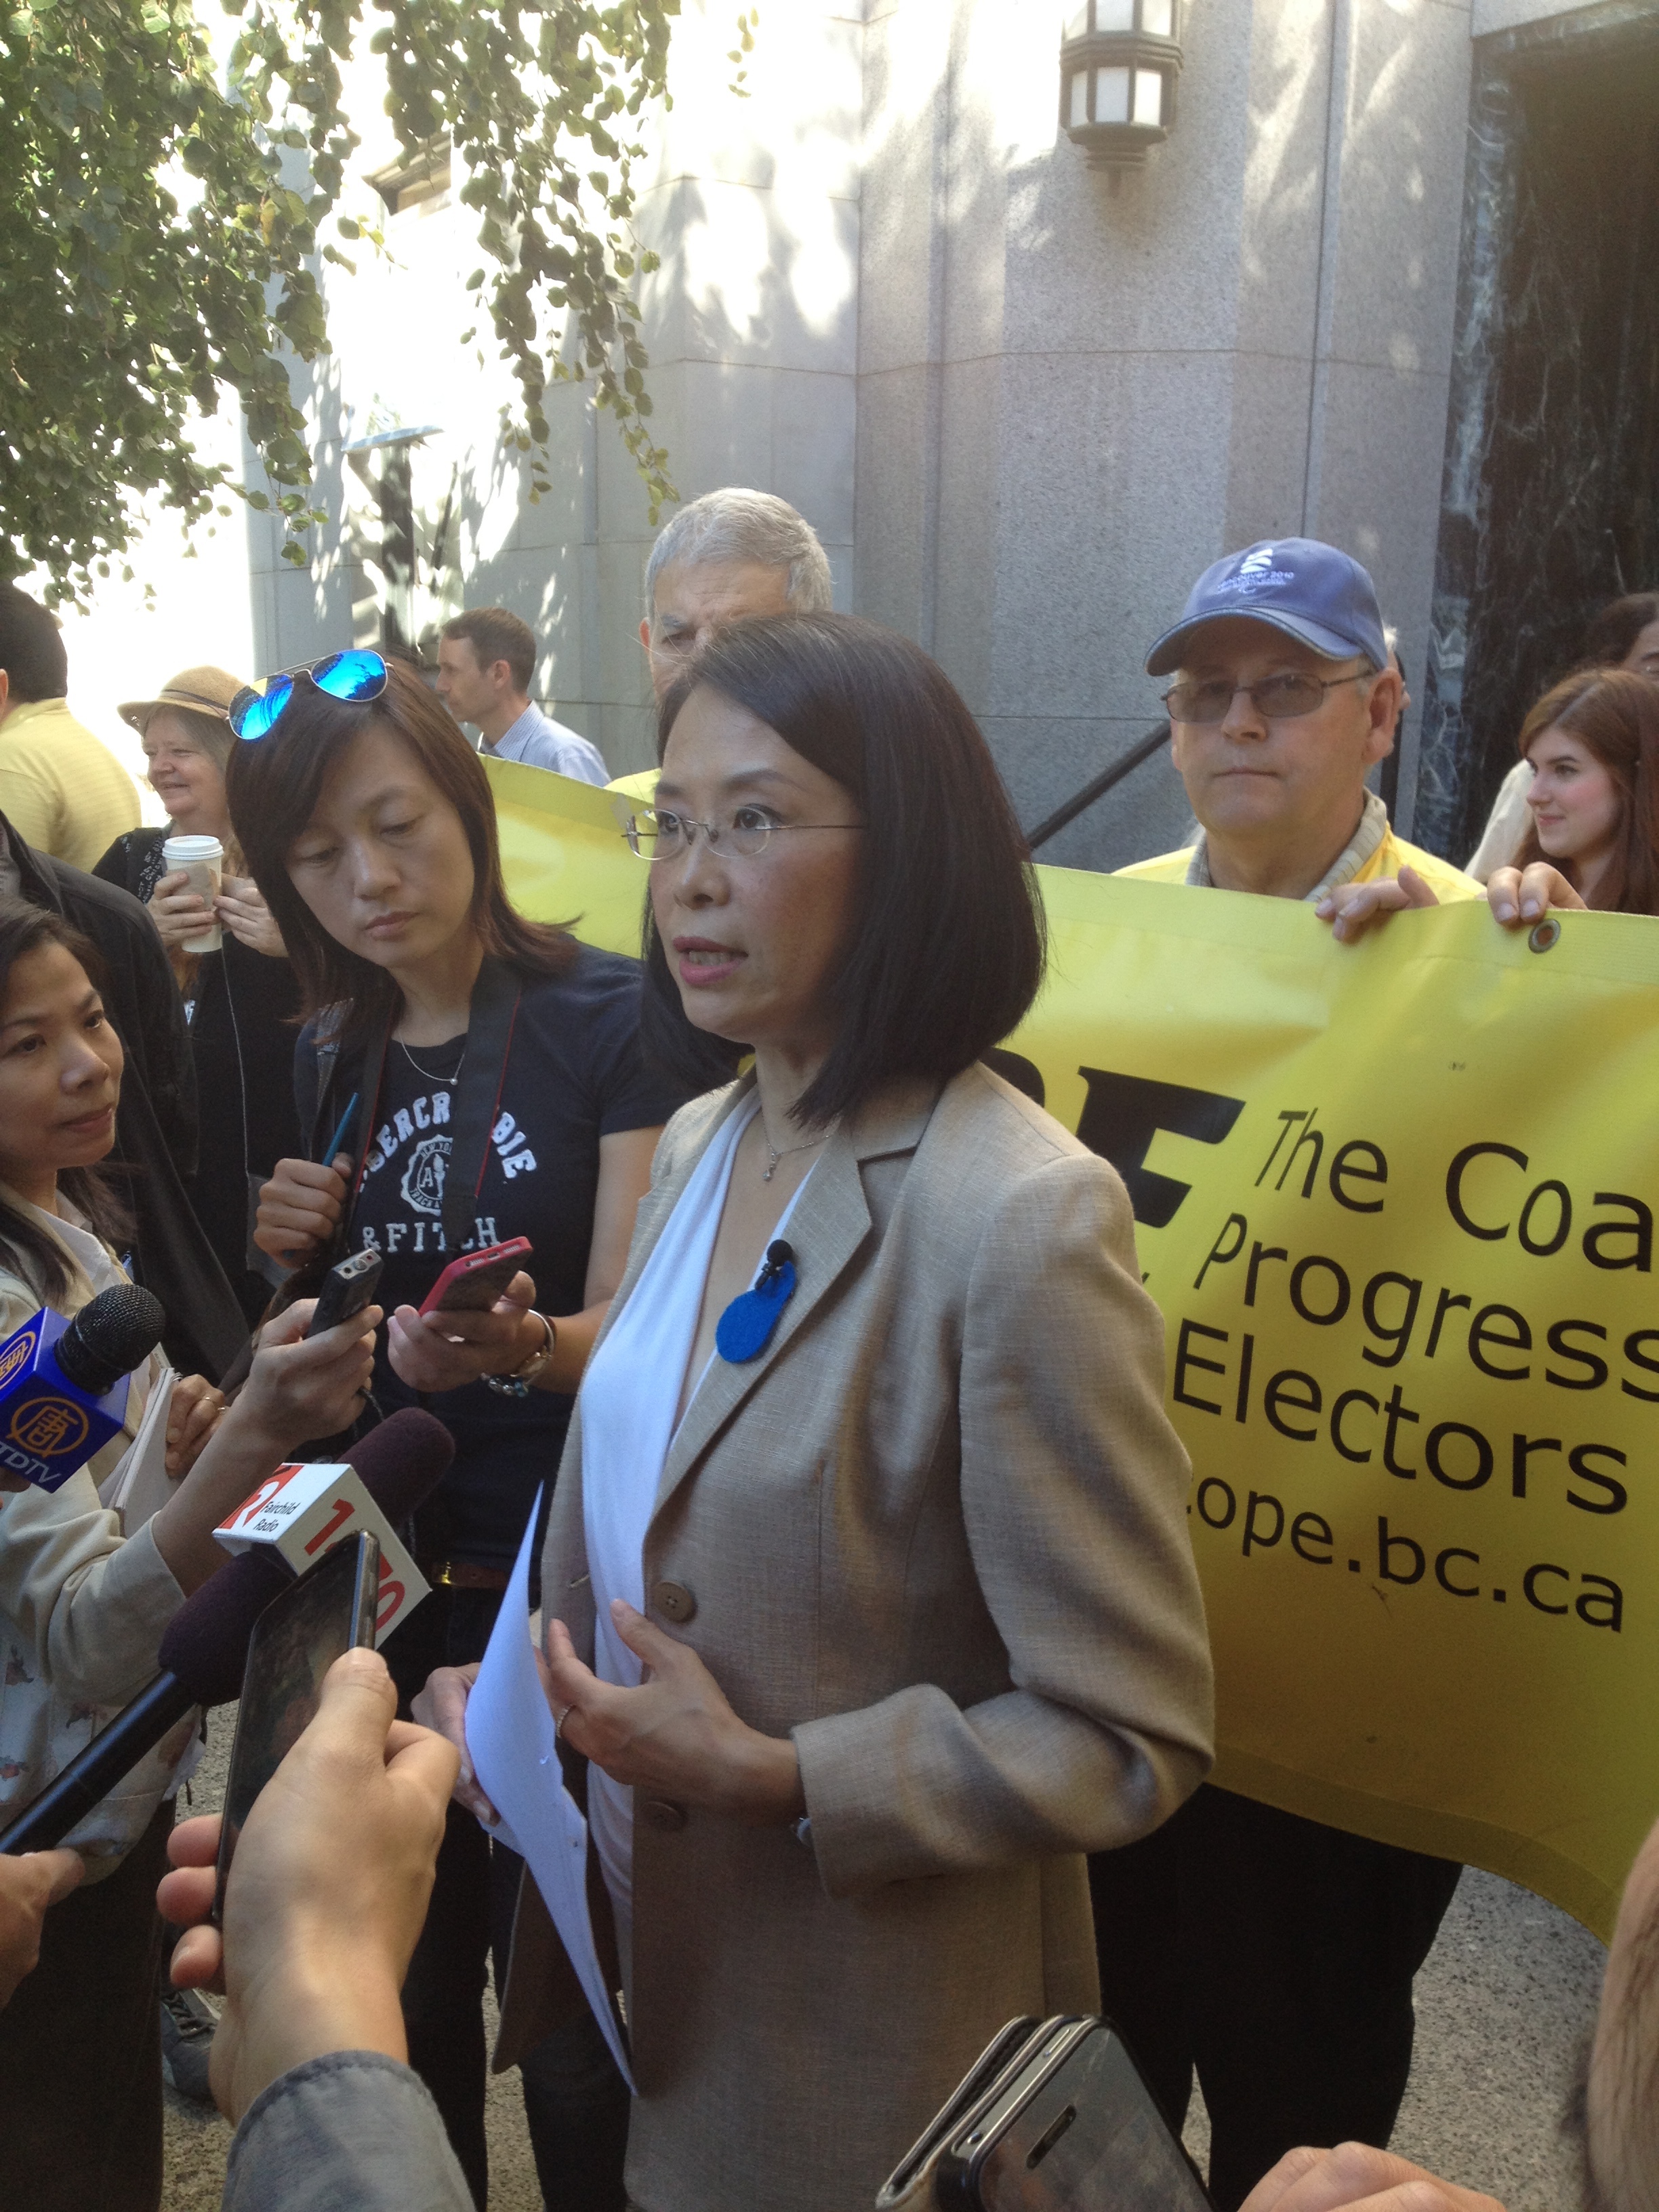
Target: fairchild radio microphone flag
[64,1383]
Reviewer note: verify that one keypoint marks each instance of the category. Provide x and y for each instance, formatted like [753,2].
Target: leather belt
[461,1574]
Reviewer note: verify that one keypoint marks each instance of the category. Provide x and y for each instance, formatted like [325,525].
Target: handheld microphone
[204,1648]
[64,1383]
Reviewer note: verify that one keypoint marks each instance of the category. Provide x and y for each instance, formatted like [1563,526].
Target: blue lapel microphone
[747,1325]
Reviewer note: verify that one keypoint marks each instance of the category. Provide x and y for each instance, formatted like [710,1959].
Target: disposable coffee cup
[202,860]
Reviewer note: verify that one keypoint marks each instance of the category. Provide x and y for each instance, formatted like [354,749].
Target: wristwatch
[517,1384]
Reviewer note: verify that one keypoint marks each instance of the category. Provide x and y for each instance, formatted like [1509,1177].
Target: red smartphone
[474,1282]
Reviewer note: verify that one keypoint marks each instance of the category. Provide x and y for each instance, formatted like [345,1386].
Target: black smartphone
[329,1609]
[349,1287]
[910,2183]
[1072,2128]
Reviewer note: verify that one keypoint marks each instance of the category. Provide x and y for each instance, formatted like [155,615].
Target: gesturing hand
[1356,2176]
[327,1892]
[675,1736]
[444,1351]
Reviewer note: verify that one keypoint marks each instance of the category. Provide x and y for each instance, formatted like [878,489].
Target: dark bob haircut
[947,946]
[274,784]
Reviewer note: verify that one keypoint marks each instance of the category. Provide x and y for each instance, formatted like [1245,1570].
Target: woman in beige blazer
[872,1618]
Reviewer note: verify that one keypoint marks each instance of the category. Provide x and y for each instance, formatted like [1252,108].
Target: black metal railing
[1108,778]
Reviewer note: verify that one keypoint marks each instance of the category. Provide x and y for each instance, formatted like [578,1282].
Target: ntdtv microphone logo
[49,1424]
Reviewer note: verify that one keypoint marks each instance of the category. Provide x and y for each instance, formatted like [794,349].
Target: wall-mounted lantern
[1118,67]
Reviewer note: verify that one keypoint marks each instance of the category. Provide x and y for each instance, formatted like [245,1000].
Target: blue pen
[345,1123]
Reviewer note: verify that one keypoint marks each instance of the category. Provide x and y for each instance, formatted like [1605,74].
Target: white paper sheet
[510,1742]
[141,1486]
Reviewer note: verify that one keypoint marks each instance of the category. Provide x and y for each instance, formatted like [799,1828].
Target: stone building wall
[1023,407]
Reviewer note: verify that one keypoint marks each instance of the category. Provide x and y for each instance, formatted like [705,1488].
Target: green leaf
[129,312]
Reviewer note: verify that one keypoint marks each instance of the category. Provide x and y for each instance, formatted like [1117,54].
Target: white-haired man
[733,552]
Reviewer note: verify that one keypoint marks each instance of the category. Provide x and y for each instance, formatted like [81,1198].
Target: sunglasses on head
[354,676]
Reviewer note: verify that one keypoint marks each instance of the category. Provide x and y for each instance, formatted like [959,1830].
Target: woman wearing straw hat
[241,998]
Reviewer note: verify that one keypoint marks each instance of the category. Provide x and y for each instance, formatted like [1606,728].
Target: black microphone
[204,1648]
[111,1335]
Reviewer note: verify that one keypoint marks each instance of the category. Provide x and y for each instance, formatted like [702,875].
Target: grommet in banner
[1545,934]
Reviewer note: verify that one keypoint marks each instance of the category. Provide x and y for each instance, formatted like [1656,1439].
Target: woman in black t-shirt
[487,1073]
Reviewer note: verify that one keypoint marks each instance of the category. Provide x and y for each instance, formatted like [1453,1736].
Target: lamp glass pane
[1115,14]
[1077,22]
[1076,100]
[1158,16]
[1112,96]
[1149,96]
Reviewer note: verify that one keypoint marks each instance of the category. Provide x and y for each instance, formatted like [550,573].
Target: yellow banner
[1396,1202]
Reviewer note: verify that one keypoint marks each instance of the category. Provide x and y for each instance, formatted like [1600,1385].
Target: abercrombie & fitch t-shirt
[573,1075]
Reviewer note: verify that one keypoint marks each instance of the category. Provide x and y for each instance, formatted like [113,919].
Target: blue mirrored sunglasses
[353,677]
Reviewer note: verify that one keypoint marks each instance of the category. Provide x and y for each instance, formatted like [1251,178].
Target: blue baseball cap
[1309,591]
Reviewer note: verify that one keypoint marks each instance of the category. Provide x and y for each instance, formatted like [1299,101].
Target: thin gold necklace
[775,1155]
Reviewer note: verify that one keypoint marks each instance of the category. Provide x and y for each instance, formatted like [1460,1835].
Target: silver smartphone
[1073,2128]
[910,2183]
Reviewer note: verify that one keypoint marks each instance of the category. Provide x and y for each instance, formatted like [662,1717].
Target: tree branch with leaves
[159,232]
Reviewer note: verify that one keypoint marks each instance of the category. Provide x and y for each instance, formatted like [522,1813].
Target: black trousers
[575,2102]
[1275,1956]
[81,2048]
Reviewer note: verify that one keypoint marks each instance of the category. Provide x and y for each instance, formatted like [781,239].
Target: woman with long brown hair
[1593,742]
[466,1077]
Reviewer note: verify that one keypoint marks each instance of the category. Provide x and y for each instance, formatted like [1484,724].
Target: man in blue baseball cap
[1272,1953]
[1285,698]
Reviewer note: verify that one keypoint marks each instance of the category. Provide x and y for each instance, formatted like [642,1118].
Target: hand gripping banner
[1396,1202]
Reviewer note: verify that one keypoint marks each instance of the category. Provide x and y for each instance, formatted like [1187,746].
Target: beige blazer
[937,1533]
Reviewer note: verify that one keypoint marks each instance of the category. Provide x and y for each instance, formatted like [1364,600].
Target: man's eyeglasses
[1276,699]
[354,676]
[655,833]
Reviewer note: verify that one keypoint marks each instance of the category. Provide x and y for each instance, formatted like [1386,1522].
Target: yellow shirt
[63,791]
[1393,853]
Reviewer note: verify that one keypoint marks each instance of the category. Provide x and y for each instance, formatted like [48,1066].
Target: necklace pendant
[767,1178]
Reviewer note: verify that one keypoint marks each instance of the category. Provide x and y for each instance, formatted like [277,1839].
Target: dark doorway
[1550,503]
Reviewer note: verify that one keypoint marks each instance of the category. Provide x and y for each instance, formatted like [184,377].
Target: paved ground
[1503,2007]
